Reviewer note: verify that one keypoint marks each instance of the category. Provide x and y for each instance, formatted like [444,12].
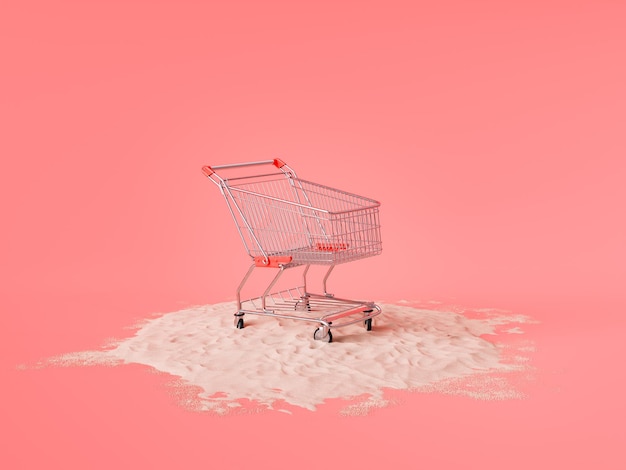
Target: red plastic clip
[272,261]
[331,246]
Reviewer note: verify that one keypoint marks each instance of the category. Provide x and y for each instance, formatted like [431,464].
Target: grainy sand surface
[276,364]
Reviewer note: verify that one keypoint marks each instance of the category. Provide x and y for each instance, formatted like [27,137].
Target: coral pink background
[492,133]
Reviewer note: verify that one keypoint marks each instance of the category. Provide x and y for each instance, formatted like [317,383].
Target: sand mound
[276,362]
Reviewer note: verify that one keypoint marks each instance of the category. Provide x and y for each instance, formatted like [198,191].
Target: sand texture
[276,364]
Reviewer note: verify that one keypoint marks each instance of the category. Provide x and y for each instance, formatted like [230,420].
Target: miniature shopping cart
[287,222]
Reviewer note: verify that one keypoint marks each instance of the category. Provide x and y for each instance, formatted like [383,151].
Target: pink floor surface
[128,417]
[492,133]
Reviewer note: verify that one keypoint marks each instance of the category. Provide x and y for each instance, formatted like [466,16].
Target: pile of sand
[276,362]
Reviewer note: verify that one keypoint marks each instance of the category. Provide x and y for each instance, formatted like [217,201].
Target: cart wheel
[368,324]
[317,334]
[239,323]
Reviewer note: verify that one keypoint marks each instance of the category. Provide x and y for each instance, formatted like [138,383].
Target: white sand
[276,362]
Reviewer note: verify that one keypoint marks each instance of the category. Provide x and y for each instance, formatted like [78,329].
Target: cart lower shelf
[327,311]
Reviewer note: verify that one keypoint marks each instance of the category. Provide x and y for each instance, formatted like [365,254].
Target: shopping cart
[286,222]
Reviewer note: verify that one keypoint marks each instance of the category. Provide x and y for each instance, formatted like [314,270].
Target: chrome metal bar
[239,165]
[241,284]
[281,270]
[336,316]
[247,224]
[229,203]
[279,200]
[268,313]
[306,270]
[249,177]
[332,266]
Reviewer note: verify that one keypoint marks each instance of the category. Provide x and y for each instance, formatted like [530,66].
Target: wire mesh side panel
[356,234]
[312,223]
[271,226]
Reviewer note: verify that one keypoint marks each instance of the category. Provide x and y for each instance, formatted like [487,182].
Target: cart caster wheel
[368,324]
[318,335]
[239,323]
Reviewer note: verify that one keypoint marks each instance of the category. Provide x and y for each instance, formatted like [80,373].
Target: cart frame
[286,222]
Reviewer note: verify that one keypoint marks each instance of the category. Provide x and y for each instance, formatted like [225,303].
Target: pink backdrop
[492,133]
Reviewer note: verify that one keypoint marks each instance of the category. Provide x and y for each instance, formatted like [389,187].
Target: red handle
[277,162]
